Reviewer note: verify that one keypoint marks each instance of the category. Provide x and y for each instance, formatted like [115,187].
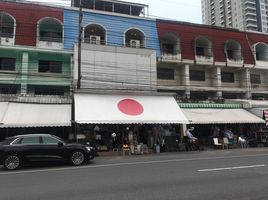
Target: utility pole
[80,29]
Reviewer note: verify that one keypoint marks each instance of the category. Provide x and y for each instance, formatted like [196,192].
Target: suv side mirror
[60,144]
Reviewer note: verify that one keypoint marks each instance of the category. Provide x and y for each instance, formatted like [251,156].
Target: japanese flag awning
[34,115]
[127,109]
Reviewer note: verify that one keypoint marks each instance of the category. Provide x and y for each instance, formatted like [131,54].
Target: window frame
[255,78]
[49,65]
[165,73]
[197,77]
[56,139]
[225,78]
[21,140]
[9,59]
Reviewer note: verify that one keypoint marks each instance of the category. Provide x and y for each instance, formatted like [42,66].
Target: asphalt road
[207,175]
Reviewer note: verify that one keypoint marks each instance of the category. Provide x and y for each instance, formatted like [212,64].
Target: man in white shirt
[190,135]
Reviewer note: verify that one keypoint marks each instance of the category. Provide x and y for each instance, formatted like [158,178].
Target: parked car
[22,150]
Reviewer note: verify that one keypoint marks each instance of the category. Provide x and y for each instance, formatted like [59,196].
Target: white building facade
[248,15]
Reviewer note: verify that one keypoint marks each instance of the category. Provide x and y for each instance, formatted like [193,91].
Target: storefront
[211,122]
[113,120]
[22,118]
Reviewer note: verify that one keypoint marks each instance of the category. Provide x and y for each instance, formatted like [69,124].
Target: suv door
[30,148]
[52,150]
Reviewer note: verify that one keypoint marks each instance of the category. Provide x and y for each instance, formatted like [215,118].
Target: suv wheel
[12,162]
[77,158]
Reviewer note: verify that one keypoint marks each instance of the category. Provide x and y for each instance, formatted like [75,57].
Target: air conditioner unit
[95,39]
[6,41]
[135,43]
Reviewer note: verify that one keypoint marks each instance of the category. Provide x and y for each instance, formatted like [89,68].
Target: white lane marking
[127,164]
[230,168]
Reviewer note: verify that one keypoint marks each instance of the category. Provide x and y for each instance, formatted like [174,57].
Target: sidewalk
[118,155]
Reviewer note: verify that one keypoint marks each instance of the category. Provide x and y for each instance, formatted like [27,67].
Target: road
[239,174]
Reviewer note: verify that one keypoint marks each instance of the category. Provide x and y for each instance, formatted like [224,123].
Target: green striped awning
[211,105]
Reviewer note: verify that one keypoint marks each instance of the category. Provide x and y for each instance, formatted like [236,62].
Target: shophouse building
[35,69]
[207,67]
[105,67]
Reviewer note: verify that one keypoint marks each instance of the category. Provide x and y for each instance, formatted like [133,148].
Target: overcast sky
[182,10]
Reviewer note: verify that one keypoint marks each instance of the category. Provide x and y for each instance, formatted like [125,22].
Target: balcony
[50,45]
[10,41]
[203,51]
[235,62]
[169,57]
[204,60]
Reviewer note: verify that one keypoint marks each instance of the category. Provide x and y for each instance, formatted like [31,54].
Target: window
[50,30]
[200,51]
[50,36]
[168,48]
[8,89]
[6,25]
[50,140]
[230,54]
[196,75]
[30,140]
[7,64]
[49,91]
[227,77]
[50,66]
[134,38]
[167,74]
[255,78]
[95,34]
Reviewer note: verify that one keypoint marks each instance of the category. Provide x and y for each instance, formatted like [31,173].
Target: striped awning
[220,116]
[265,116]
[211,105]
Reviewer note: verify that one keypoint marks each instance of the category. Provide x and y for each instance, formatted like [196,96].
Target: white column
[246,83]
[24,72]
[217,82]
[186,79]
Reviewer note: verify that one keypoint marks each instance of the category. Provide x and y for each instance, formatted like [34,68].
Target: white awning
[127,109]
[220,116]
[34,115]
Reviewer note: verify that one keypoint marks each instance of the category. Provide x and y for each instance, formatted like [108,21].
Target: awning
[127,109]
[220,116]
[211,105]
[265,115]
[34,115]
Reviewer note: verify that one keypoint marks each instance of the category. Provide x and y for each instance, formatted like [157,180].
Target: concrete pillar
[24,72]
[246,82]
[186,80]
[217,82]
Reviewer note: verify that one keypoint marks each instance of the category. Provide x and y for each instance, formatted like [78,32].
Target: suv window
[30,140]
[49,140]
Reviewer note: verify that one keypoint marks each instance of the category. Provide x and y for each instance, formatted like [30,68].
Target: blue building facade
[115,26]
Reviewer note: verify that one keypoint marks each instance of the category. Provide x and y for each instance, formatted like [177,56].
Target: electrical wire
[114,35]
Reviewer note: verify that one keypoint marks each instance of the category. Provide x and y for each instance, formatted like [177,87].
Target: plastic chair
[217,144]
[125,149]
[225,142]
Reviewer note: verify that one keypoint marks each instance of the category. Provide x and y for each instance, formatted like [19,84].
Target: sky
[181,10]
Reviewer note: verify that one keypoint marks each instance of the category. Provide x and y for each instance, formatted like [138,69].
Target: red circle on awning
[130,107]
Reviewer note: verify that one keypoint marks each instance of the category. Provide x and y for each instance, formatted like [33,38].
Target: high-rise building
[248,15]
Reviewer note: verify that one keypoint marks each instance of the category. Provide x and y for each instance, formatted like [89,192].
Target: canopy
[34,115]
[265,114]
[220,116]
[127,109]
